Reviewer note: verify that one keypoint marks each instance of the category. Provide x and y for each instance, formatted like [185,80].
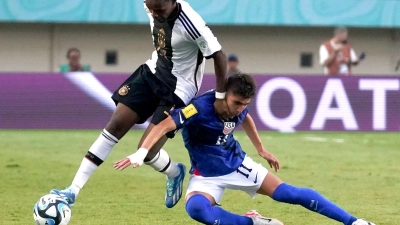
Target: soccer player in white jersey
[218,161]
[171,78]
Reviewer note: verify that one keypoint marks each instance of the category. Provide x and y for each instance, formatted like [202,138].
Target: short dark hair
[242,84]
[72,50]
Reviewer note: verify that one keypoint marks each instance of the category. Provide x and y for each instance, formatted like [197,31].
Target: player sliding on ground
[218,161]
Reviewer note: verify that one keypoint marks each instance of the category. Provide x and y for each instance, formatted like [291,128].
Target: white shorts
[248,178]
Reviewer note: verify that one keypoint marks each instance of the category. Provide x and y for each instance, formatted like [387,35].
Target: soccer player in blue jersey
[218,161]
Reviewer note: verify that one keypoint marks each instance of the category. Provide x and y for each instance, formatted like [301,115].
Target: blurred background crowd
[269,37]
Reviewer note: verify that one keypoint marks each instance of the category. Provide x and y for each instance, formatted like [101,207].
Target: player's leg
[201,203]
[121,121]
[130,110]
[159,159]
[308,198]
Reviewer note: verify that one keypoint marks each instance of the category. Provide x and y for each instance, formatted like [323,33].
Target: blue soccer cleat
[67,194]
[175,187]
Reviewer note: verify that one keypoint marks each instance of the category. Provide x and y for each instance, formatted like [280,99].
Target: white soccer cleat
[362,222]
[260,220]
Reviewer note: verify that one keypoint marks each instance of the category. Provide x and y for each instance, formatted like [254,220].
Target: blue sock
[200,209]
[313,201]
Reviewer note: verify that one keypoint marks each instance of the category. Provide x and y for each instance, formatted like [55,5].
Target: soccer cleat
[175,187]
[362,222]
[67,194]
[260,220]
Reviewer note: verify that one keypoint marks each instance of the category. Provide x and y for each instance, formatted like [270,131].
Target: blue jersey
[212,149]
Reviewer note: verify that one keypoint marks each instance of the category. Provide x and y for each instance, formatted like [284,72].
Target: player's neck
[174,12]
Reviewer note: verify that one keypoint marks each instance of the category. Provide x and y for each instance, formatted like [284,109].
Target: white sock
[97,153]
[162,163]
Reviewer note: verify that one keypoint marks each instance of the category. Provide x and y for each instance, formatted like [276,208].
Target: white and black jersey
[181,43]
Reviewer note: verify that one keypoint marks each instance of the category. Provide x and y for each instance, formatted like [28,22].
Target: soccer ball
[51,209]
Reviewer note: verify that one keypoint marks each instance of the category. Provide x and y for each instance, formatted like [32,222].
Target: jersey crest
[228,127]
[161,44]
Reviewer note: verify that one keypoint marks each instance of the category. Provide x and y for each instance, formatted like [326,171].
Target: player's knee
[198,208]
[118,128]
[287,193]
[121,121]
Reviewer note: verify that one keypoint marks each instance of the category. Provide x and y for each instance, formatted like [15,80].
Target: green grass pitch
[358,171]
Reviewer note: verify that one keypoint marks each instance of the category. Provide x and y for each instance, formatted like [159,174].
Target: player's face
[236,103]
[160,9]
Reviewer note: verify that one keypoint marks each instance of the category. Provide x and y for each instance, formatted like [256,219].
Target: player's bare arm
[251,131]
[158,131]
[155,134]
[220,65]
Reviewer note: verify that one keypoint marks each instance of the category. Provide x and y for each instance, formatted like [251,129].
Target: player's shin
[163,163]
[313,201]
[175,173]
[97,153]
[200,209]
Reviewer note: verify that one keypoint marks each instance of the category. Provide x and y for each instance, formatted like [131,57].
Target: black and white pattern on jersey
[162,40]
[189,27]
[162,34]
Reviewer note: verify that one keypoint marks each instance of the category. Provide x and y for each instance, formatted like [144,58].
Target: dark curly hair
[242,84]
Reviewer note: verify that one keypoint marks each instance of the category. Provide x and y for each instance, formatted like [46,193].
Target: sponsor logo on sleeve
[189,111]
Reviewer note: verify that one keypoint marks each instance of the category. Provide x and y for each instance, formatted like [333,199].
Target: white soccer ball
[51,210]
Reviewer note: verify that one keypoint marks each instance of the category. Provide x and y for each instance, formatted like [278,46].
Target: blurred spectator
[336,55]
[74,56]
[233,62]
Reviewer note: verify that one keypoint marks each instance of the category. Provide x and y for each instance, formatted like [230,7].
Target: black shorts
[145,94]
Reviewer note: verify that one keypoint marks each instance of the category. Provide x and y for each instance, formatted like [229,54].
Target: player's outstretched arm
[155,134]
[250,128]
[158,131]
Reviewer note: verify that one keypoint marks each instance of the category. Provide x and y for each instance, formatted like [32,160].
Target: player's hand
[272,161]
[221,108]
[135,160]
[122,164]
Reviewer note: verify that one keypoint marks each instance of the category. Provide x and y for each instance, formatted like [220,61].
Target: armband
[220,95]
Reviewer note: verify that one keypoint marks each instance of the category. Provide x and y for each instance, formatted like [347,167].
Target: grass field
[358,171]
